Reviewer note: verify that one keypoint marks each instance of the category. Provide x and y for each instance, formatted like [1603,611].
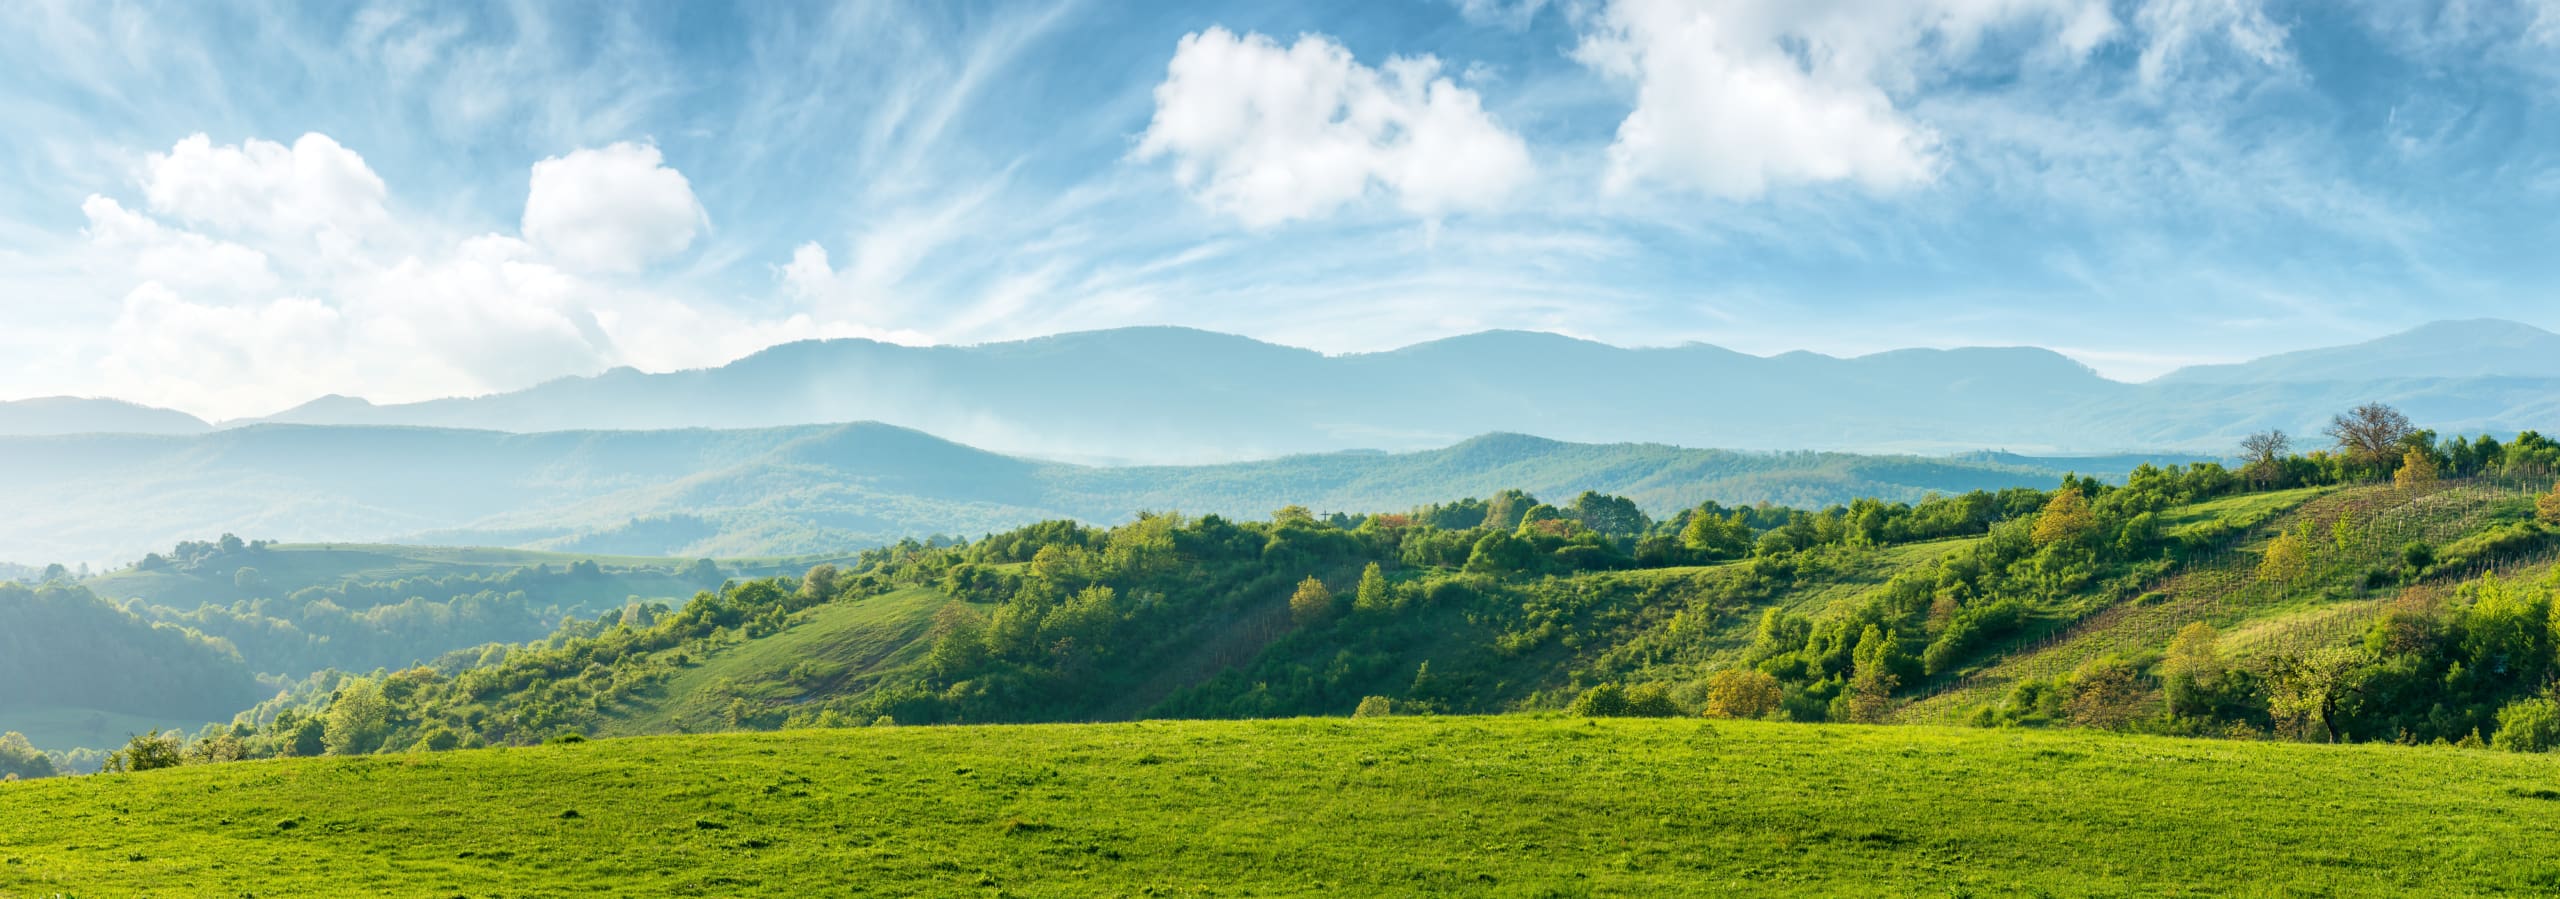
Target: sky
[232,209]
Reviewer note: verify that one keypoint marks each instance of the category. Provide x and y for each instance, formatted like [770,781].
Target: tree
[1743,693]
[1615,517]
[2287,560]
[356,719]
[2306,690]
[2067,518]
[2417,469]
[1374,707]
[2194,667]
[248,578]
[1293,515]
[20,758]
[2548,507]
[1312,603]
[55,573]
[2262,455]
[2370,433]
[2528,725]
[1500,552]
[147,752]
[1718,537]
[1374,595]
[2106,694]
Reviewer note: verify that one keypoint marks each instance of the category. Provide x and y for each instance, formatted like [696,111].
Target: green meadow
[1501,806]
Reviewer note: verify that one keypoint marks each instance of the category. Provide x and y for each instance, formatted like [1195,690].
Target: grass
[853,644]
[1514,806]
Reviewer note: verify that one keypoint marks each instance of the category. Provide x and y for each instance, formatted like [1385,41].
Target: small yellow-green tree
[2548,507]
[2417,469]
[2192,670]
[2066,518]
[1312,603]
[2288,558]
[1742,693]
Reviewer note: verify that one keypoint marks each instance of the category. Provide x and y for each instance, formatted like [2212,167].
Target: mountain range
[1172,395]
[826,488]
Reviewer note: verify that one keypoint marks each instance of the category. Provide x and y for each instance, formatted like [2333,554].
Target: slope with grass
[1507,806]
[838,649]
[2367,549]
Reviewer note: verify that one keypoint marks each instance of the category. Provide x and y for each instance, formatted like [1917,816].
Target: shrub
[1374,707]
[1603,701]
[2528,725]
[1743,693]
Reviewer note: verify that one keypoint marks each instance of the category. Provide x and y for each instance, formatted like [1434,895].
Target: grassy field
[1515,806]
[851,644]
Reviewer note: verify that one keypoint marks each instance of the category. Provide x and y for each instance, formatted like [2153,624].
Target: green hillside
[1512,806]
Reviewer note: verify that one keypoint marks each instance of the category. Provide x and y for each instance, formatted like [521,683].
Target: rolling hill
[1470,806]
[107,499]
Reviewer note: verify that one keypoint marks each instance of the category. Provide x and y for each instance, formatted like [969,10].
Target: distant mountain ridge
[81,415]
[1164,395]
[831,488]
[1177,395]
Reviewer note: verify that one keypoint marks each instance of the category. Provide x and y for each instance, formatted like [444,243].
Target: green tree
[21,759]
[1312,603]
[2192,670]
[1500,552]
[1373,596]
[1717,537]
[147,752]
[2307,690]
[1615,517]
[357,718]
[1374,707]
[2528,725]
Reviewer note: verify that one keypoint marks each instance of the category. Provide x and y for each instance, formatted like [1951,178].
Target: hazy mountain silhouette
[75,415]
[691,492]
[2478,348]
[1159,395]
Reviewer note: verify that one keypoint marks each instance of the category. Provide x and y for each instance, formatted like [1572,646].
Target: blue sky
[230,210]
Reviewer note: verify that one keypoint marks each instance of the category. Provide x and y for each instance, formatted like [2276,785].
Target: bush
[1603,701]
[2528,725]
[1613,701]
[1374,707]
[1743,693]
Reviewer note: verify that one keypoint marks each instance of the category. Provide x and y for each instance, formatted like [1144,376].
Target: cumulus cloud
[231,328]
[615,209]
[1271,134]
[159,253]
[1735,97]
[313,189]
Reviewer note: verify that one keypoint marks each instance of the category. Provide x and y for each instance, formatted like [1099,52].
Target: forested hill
[2330,597]
[1171,395]
[692,493]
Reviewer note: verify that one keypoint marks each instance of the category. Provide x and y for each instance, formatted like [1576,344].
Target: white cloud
[1733,98]
[615,209]
[2179,30]
[1271,134]
[155,252]
[315,189]
[1512,14]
